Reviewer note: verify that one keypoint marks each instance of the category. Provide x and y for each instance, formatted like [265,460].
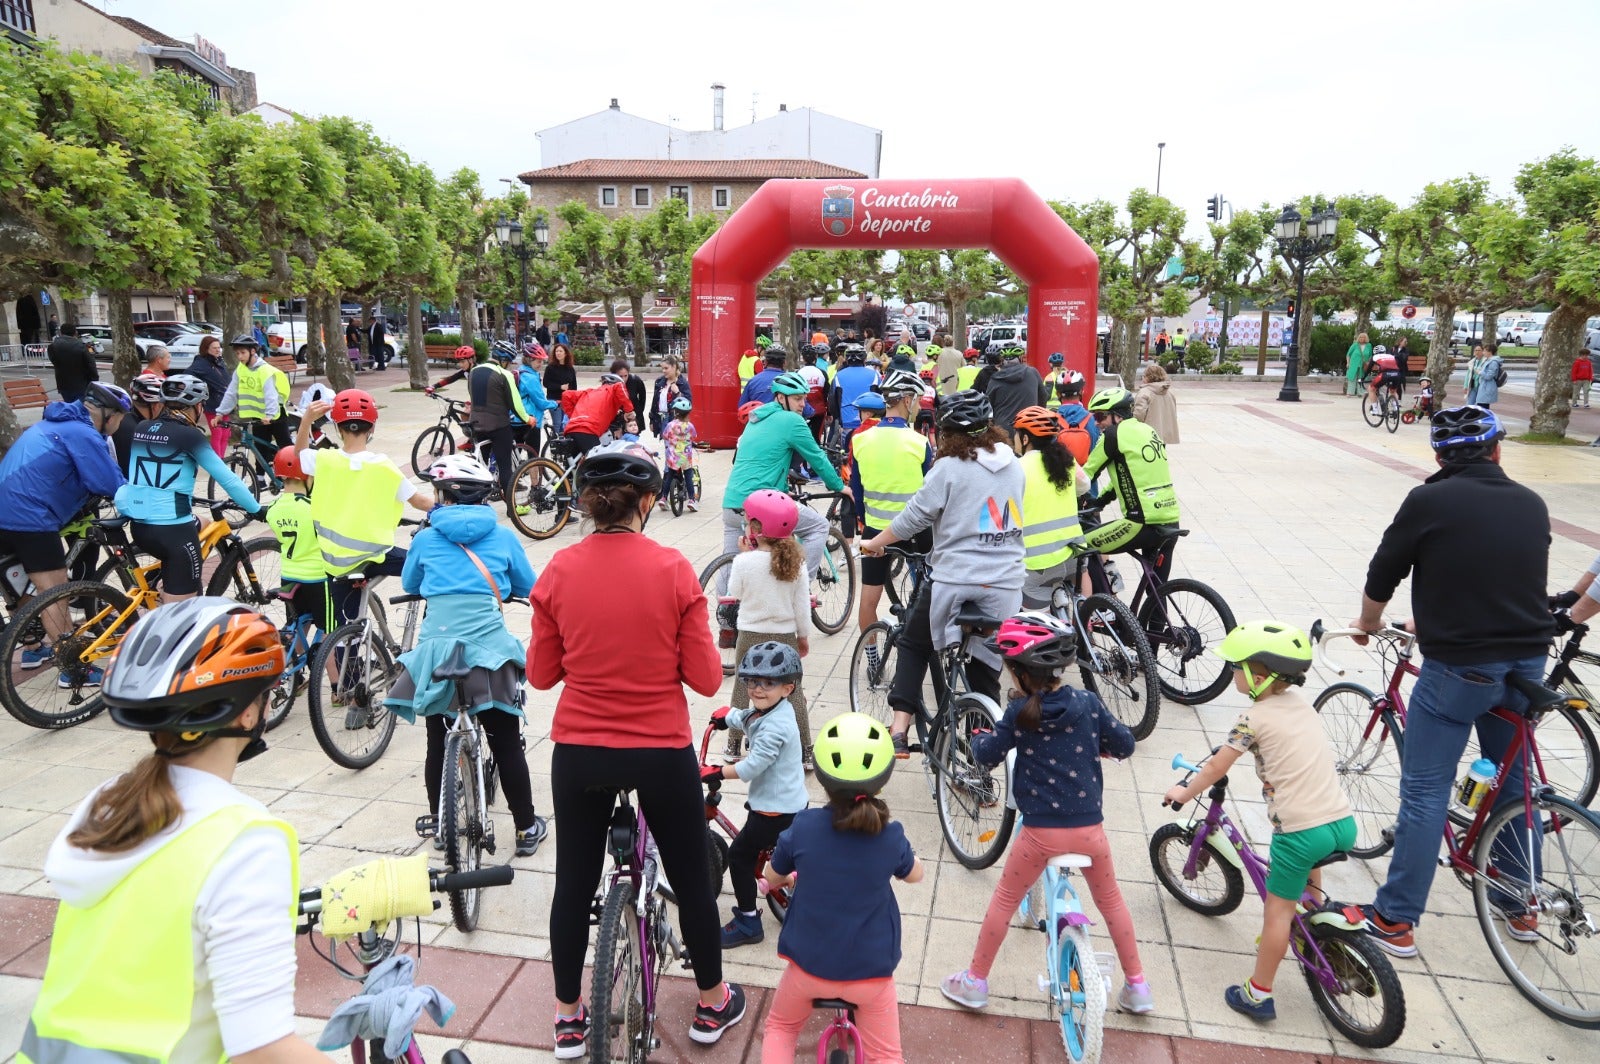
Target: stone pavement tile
[314,816]
[31,962]
[949,949]
[963,894]
[17,995]
[24,924]
[17,880]
[523,1014]
[1202,978]
[497,942]
[26,845]
[1454,946]
[1503,1025]
[474,981]
[1124,1047]
[958,1035]
[677,998]
[374,826]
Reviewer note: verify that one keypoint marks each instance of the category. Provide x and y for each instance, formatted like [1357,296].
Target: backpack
[1500,374]
[1075,438]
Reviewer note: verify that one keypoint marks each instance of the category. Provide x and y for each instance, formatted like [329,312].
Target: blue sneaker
[91,678]
[1240,999]
[33,657]
[742,930]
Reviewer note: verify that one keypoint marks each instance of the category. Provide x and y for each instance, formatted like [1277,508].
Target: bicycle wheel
[1217,886]
[117,570]
[1183,621]
[65,690]
[778,903]
[541,503]
[1554,875]
[1568,752]
[971,798]
[1120,666]
[241,467]
[281,699]
[1367,759]
[725,634]
[350,675]
[834,585]
[1391,414]
[677,497]
[459,823]
[432,443]
[1358,990]
[616,992]
[1372,412]
[717,853]
[1080,995]
[869,682]
[251,573]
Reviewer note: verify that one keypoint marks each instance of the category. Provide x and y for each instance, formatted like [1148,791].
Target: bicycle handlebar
[439,881]
[1320,637]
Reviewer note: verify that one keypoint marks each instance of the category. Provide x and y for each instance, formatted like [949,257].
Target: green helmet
[1112,399]
[1283,650]
[790,383]
[854,754]
[1012,352]
[763,341]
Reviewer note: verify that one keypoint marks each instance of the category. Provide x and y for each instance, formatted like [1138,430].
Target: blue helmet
[680,405]
[1465,433]
[869,401]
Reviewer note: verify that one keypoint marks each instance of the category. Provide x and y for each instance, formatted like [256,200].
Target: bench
[26,394]
[287,364]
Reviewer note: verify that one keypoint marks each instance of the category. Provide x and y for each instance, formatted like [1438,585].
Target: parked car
[1532,336]
[98,338]
[287,338]
[1519,328]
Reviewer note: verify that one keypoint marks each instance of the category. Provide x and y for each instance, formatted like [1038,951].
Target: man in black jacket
[1013,387]
[73,363]
[375,343]
[1477,546]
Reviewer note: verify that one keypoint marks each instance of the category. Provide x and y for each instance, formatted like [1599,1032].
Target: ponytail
[139,804]
[1034,684]
[864,813]
[787,558]
[1057,463]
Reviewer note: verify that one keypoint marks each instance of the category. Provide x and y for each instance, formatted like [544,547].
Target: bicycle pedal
[427,826]
[1044,983]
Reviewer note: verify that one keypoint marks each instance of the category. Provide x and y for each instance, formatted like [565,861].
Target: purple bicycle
[1202,861]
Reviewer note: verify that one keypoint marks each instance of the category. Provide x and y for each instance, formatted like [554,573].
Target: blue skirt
[495,655]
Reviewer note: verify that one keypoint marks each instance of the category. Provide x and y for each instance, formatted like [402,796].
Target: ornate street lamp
[1300,242]
[509,235]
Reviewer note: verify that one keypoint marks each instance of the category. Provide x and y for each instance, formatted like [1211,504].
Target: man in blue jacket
[46,478]
[759,387]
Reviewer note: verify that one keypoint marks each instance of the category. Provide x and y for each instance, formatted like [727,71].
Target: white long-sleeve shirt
[767,605]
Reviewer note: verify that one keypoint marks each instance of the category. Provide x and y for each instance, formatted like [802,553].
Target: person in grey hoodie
[1014,386]
[972,499]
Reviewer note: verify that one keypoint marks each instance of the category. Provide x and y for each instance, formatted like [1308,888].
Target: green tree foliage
[953,277]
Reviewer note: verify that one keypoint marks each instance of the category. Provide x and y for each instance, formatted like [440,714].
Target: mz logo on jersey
[838,210]
[999,520]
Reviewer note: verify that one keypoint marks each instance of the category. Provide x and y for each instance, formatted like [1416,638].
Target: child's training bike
[777,900]
[1076,978]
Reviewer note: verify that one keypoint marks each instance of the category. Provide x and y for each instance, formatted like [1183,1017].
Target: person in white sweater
[769,581]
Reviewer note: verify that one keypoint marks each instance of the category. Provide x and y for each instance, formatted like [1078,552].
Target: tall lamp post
[509,235]
[1300,241]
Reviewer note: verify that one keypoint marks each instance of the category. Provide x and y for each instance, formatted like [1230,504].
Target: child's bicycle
[359,905]
[1076,978]
[299,647]
[678,494]
[840,1042]
[777,900]
[1202,861]
[1421,406]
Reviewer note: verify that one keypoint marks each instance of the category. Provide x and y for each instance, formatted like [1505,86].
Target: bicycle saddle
[833,1003]
[1541,699]
[1332,858]
[111,522]
[1070,860]
[972,620]
[1171,534]
[455,666]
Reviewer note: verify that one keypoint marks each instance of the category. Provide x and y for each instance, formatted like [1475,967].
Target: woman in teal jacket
[530,385]
[1357,359]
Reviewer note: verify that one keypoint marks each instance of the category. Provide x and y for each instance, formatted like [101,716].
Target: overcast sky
[1262,101]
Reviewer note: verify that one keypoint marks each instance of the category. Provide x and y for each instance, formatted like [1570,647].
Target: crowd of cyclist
[169,862]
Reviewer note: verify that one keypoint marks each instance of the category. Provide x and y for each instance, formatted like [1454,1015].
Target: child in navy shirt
[841,936]
[1059,734]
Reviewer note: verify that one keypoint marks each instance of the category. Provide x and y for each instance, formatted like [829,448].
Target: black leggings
[501,441]
[504,732]
[177,548]
[667,788]
[913,654]
[759,835]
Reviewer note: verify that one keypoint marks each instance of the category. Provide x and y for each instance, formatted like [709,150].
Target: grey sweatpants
[811,531]
[945,602]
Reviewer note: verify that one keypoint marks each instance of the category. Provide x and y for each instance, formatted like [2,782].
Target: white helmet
[463,476]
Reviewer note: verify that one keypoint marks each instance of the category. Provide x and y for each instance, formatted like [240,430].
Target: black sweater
[1478,546]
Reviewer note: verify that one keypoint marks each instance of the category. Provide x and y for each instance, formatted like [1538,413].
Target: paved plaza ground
[1285,504]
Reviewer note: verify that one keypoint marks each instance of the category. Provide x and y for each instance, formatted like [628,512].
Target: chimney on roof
[783,107]
[716,107]
[614,106]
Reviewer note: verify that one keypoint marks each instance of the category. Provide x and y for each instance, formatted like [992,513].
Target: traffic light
[1214,208]
[1291,309]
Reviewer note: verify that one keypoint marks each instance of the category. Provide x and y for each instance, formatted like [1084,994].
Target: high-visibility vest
[253,391]
[1179,342]
[889,461]
[1049,516]
[966,375]
[355,510]
[290,520]
[119,985]
[747,367]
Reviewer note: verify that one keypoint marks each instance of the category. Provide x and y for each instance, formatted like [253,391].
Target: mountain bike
[246,461]
[1202,862]
[384,892]
[440,440]
[872,674]
[1114,657]
[777,900]
[1077,978]
[65,690]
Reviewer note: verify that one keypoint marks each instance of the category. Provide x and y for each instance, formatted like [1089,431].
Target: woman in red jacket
[626,728]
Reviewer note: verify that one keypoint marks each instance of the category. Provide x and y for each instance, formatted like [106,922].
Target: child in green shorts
[1309,812]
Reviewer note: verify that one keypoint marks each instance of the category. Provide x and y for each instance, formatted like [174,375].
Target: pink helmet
[777,513]
[1036,641]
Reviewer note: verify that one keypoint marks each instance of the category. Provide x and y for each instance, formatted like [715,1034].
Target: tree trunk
[1552,388]
[1490,333]
[341,374]
[1441,363]
[958,326]
[316,363]
[467,302]
[125,361]
[1125,348]
[786,304]
[613,330]
[1261,348]
[416,354]
[235,314]
[1302,337]
[641,354]
[363,342]
[1363,320]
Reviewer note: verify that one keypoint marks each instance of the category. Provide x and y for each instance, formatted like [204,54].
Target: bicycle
[777,900]
[245,461]
[1077,978]
[1114,657]
[441,439]
[1388,408]
[678,494]
[841,1041]
[371,944]
[1493,851]
[298,651]
[1202,861]
[98,615]
[973,801]
[545,491]
[1367,745]
[634,944]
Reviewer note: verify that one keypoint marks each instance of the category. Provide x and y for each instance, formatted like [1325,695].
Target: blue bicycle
[1075,975]
[299,644]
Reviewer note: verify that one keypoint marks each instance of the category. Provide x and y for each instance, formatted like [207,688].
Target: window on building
[680,192]
[17,15]
[721,197]
[641,195]
[608,196]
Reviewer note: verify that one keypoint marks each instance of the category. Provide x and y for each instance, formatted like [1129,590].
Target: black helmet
[622,462]
[775,353]
[244,340]
[1465,433]
[966,411]
[854,354]
[771,661]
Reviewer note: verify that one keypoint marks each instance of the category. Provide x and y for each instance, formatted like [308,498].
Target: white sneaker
[1138,1000]
[1372,408]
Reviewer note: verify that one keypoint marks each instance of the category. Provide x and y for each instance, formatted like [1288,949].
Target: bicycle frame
[633,858]
[1063,908]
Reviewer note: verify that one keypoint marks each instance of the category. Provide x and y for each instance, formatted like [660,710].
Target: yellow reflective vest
[252,396]
[355,509]
[1049,516]
[747,367]
[966,375]
[119,985]
[889,461]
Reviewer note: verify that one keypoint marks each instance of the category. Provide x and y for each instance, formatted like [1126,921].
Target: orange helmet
[1037,421]
[286,464]
[353,404]
[464,352]
[749,408]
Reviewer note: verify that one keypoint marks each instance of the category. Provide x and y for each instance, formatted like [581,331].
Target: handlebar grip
[411,521]
[401,600]
[496,876]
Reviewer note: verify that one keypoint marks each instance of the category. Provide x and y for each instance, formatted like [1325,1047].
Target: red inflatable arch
[1002,214]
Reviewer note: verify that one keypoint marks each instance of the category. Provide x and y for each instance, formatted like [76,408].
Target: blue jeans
[1447,703]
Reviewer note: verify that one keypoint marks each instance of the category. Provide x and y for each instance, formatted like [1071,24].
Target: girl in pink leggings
[1059,734]
[841,936]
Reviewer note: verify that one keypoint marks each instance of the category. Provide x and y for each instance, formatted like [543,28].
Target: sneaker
[966,989]
[734,750]
[1372,409]
[710,1023]
[742,930]
[1240,999]
[91,678]
[1393,938]
[902,749]
[33,657]
[528,841]
[1136,999]
[694,507]
[572,1035]
[807,761]
[661,504]
[1523,926]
